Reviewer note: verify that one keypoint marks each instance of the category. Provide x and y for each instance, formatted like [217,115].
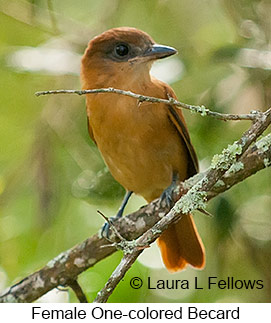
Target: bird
[146,146]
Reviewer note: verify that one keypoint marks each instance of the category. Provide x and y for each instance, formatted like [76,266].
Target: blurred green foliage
[52,178]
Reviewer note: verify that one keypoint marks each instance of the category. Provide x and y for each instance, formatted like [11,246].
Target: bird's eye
[121,50]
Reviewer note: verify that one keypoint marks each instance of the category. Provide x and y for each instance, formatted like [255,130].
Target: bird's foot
[105,231]
[166,196]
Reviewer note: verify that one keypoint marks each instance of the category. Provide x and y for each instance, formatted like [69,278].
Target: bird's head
[119,52]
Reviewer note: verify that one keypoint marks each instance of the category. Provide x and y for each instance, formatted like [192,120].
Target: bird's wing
[178,121]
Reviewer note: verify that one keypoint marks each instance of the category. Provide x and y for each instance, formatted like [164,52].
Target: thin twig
[111,225]
[125,264]
[205,212]
[78,291]
[171,101]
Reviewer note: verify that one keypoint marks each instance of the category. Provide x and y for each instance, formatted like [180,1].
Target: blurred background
[52,178]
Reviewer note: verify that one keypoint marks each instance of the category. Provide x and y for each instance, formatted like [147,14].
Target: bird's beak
[157,51]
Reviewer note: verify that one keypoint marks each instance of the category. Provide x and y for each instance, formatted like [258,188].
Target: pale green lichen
[62,258]
[227,157]
[244,140]
[161,214]
[203,181]
[53,280]
[235,167]
[92,261]
[200,109]
[219,183]
[198,178]
[39,282]
[264,144]
[126,246]
[255,112]
[194,199]
[79,262]
[191,201]
[140,223]
[155,231]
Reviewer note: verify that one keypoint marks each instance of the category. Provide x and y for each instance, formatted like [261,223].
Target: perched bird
[146,147]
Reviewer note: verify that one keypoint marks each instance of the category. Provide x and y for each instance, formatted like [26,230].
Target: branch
[78,291]
[71,263]
[254,115]
[194,199]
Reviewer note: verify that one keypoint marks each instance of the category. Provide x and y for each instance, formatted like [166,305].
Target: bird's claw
[105,230]
[166,196]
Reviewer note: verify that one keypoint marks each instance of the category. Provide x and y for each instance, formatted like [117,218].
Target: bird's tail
[181,244]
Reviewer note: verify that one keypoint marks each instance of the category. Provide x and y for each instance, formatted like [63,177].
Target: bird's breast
[139,145]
